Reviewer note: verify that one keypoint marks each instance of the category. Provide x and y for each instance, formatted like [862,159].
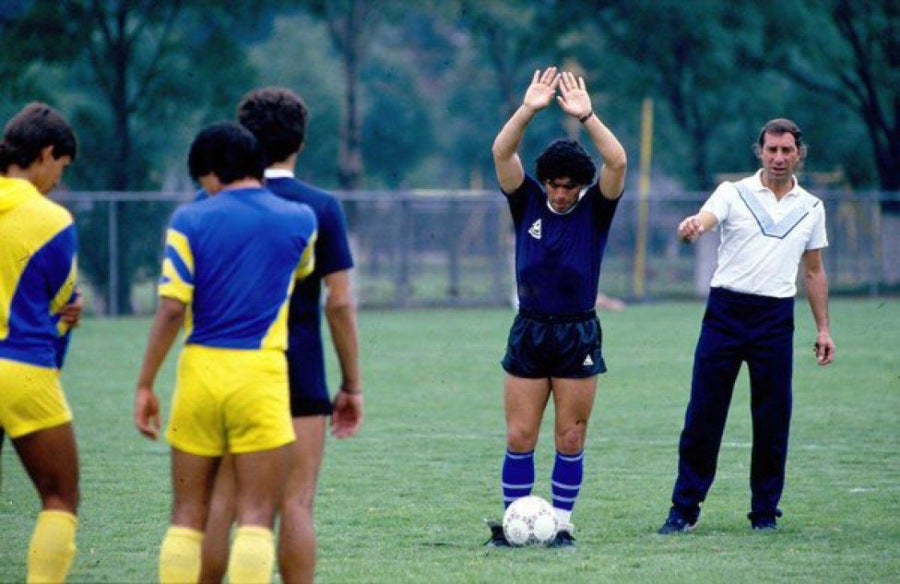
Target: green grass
[404,501]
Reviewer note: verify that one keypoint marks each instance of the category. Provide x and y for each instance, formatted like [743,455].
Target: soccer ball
[530,521]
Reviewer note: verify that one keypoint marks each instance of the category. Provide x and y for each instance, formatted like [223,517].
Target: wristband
[586,117]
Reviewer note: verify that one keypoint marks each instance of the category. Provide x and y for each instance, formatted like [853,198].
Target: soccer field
[404,501]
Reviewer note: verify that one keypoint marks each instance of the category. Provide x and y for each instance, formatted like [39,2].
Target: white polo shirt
[762,238]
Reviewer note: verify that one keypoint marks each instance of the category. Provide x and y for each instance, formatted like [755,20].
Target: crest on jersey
[535,229]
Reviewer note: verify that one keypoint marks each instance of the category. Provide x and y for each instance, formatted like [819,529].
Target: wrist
[351,391]
[586,116]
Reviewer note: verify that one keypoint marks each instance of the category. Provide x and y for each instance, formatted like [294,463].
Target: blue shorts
[563,346]
[306,375]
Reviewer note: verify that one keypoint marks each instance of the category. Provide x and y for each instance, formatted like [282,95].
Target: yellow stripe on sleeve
[307,260]
[172,283]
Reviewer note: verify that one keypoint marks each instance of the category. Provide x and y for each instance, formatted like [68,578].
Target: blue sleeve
[332,247]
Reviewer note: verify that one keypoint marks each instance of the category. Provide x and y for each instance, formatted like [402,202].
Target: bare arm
[340,311]
[166,324]
[817,293]
[576,102]
[510,172]
[691,228]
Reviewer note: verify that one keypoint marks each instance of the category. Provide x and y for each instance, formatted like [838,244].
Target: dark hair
[277,117]
[780,126]
[227,149]
[31,130]
[565,158]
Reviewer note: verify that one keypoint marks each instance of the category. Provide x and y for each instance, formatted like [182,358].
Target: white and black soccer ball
[530,521]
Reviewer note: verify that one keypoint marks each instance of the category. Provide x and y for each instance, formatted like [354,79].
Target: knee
[298,500]
[520,439]
[570,440]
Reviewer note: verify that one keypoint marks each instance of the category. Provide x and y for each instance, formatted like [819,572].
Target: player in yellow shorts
[234,391]
[35,295]
[229,267]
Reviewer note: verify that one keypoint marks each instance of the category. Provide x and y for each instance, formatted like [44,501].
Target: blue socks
[568,472]
[517,477]
[517,480]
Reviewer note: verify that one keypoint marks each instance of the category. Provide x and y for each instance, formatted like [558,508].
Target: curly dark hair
[227,149]
[31,130]
[565,158]
[277,117]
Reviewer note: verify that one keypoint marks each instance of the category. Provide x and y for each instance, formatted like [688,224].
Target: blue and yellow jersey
[38,270]
[233,259]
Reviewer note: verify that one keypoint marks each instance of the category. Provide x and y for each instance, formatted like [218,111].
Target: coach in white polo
[768,225]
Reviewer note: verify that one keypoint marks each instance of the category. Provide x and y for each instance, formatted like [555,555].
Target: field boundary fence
[421,249]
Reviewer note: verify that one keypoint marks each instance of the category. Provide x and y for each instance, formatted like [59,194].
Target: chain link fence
[421,249]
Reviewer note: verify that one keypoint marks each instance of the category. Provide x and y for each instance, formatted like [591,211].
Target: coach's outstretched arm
[691,228]
[576,102]
[510,172]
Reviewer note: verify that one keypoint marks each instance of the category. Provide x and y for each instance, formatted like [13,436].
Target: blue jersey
[332,249]
[233,258]
[558,256]
[305,354]
[38,270]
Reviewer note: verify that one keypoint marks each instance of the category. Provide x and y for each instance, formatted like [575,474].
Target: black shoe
[564,538]
[764,522]
[498,538]
[676,523]
[765,525]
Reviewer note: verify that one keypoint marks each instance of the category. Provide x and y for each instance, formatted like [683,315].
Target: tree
[853,58]
[132,55]
[351,25]
[687,54]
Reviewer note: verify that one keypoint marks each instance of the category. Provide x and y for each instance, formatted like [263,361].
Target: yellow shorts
[230,400]
[31,399]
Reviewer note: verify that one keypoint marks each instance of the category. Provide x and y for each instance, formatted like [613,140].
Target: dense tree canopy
[410,94]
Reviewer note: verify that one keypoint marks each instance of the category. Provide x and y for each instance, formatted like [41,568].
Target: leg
[192,483]
[50,457]
[524,401]
[716,365]
[260,483]
[217,534]
[770,369]
[297,536]
[573,400]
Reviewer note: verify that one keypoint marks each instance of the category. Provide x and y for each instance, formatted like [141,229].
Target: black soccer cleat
[498,538]
[564,538]
[676,523]
[764,522]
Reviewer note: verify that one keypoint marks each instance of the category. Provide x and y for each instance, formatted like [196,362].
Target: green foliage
[411,93]
[852,60]
[293,57]
[404,501]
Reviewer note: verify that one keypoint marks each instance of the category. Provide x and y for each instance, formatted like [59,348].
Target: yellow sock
[179,556]
[252,555]
[52,547]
